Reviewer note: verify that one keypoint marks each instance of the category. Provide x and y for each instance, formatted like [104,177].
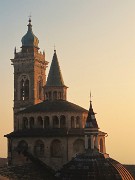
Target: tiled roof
[29,171]
[55,77]
[54,106]
[121,169]
[93,165]
[47,132]
[38,133]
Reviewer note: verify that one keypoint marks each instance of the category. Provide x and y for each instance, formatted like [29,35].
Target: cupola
[29,39]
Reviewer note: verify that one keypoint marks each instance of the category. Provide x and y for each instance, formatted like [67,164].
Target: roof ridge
[55,105]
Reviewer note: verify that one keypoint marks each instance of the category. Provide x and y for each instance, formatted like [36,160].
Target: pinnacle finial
[54,48]
[29,25]
[90,100]
[15,50]
[29,18]
[90,96]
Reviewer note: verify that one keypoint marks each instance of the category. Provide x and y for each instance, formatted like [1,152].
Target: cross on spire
[54,48]
[90,95]
[30,18]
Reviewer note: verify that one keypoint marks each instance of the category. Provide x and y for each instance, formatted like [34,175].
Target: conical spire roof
[29,39]
[55,77]
[91,120]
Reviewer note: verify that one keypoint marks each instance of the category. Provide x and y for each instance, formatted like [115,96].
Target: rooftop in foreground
[94,166]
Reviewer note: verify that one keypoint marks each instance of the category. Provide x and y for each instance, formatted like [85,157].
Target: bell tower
[29,73]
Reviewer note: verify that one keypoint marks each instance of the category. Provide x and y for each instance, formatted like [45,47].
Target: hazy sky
[95,43]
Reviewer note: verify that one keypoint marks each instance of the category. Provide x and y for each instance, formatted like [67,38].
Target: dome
[93,165]
[29,39]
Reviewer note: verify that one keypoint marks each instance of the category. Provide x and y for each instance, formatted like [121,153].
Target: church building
[49,130]
[46,124]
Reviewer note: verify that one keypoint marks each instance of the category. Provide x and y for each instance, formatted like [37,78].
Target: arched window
[55,122]
[25,123]
[24,88]
[46,96]
[40,88]
[56,148]
[39,148]
[22,146]
[72,122]
[31,122]
[39,122]
[101,145]
[62,121]
[50,95]
[78,146]
[55,95]
[46,122]
[77,122]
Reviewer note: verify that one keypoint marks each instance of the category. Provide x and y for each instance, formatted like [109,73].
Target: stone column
[51,121]
[92,141]
[96,142]
[74,122]
[43,123]
[59,122]
[86,142]
[51,95]
[28,123]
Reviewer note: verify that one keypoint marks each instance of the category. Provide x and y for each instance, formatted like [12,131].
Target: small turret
[91,120]
[91,129]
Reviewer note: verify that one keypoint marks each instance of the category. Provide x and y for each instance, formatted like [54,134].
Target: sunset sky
[95,43]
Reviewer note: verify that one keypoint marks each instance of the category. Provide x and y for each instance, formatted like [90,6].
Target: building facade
[46,125]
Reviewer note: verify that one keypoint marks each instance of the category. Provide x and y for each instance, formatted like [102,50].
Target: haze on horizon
[95,43]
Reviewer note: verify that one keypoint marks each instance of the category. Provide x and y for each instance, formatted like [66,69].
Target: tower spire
[91,120]
[55,76]
[55,87]
[90,101]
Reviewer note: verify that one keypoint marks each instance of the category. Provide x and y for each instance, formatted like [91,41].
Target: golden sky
[95,43]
